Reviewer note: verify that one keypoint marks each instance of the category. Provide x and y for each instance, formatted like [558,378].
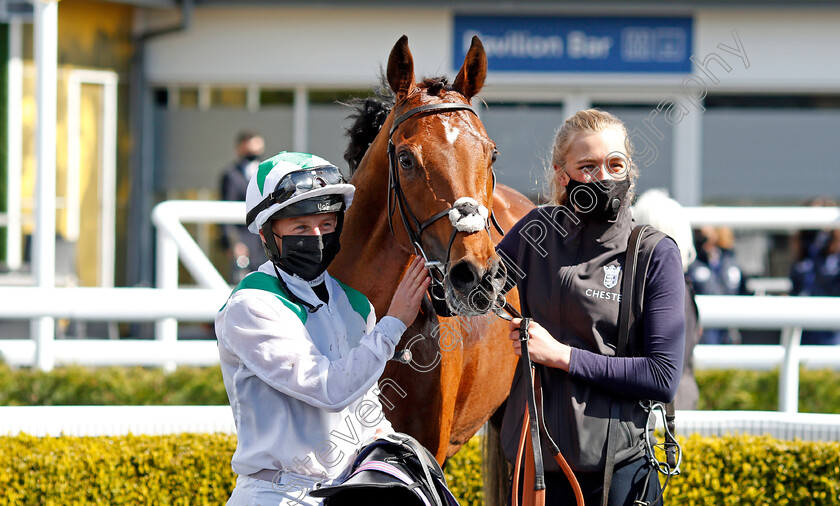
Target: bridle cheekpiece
[466,214]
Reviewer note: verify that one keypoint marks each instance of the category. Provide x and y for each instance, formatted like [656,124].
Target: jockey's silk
[301,384]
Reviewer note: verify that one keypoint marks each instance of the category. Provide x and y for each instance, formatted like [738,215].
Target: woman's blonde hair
[589,120]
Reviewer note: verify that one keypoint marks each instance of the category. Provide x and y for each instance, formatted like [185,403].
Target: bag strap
[647,243]
[625,320]
[626,316]
[670,435]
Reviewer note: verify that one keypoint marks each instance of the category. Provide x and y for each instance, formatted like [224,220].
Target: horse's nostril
[463,276]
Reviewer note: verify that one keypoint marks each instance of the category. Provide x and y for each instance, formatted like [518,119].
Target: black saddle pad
[393,469]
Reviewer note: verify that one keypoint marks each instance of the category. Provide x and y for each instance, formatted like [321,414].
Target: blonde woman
[572,255]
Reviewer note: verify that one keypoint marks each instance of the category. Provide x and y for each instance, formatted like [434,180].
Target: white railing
[174,243]
[113,304]
[790,314]
[169,303]
[159,420]
[787,313]
[115,420]
[765,218]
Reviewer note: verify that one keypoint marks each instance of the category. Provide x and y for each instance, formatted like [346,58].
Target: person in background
[244,250]
[816,269]
[665,214]
[715,272]
[301,352]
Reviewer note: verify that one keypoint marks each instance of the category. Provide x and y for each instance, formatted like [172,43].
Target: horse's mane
[369,115]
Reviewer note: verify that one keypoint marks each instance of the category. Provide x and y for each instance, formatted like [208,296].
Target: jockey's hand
[410,291]
[542,347]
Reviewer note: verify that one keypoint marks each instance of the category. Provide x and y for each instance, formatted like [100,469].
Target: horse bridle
[413,227]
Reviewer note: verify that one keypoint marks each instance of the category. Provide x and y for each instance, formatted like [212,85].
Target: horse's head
[441,180]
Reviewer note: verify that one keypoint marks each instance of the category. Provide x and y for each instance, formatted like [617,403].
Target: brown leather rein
[529,452]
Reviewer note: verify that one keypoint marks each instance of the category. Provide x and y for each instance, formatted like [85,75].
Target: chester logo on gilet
[611,275]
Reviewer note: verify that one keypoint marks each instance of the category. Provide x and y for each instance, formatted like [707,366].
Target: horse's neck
[370,259]
[369,206]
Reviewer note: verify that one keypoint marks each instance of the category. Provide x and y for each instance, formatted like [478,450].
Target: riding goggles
[297,183]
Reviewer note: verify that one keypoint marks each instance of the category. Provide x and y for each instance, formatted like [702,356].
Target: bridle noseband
[413,227]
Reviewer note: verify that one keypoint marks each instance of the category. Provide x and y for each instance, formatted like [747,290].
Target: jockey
[300,351]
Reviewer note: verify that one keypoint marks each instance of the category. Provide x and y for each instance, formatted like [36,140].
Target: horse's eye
[405,160]
[495,155]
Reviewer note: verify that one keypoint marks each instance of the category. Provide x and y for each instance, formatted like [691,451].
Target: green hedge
[719,389]
[111,386]
[759,390]
[757,471]
[192,469]
[183,469]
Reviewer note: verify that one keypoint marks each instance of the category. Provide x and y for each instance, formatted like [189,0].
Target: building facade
[727,103]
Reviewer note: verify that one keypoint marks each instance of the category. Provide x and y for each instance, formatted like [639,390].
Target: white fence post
[169,216]
[43,247]
[172,240]
[14,145]
[789,373]
[166,329]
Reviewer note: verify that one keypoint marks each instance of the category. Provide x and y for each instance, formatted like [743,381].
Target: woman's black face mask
[308,255]
[598,200]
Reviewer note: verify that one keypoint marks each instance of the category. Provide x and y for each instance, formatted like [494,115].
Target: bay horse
[418,154]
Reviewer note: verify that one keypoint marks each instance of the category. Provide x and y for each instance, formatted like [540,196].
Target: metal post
[300,117]
[789,374]
[574,102]
[686,181]
[46,48]
[166,329]
[253,98]
[14,146]
[74,148]
[108,181]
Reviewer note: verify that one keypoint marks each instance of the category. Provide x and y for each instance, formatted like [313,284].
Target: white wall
[287,46]
[788,49]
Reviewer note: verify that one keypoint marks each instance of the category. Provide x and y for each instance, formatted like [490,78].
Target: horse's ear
[401,69]
[471,77]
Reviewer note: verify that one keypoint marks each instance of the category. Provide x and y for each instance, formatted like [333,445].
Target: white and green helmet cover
[271,171]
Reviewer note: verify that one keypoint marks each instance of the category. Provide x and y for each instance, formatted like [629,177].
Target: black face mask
[597,200]
[308,255]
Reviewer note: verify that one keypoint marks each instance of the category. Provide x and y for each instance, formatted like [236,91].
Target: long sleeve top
[302,385]
[569,273]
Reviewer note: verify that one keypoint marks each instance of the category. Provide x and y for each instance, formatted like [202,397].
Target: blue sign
[578,44]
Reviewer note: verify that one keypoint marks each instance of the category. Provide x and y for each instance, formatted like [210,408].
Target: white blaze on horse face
[451,131]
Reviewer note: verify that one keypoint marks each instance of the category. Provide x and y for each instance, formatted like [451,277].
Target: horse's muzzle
[470,291]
